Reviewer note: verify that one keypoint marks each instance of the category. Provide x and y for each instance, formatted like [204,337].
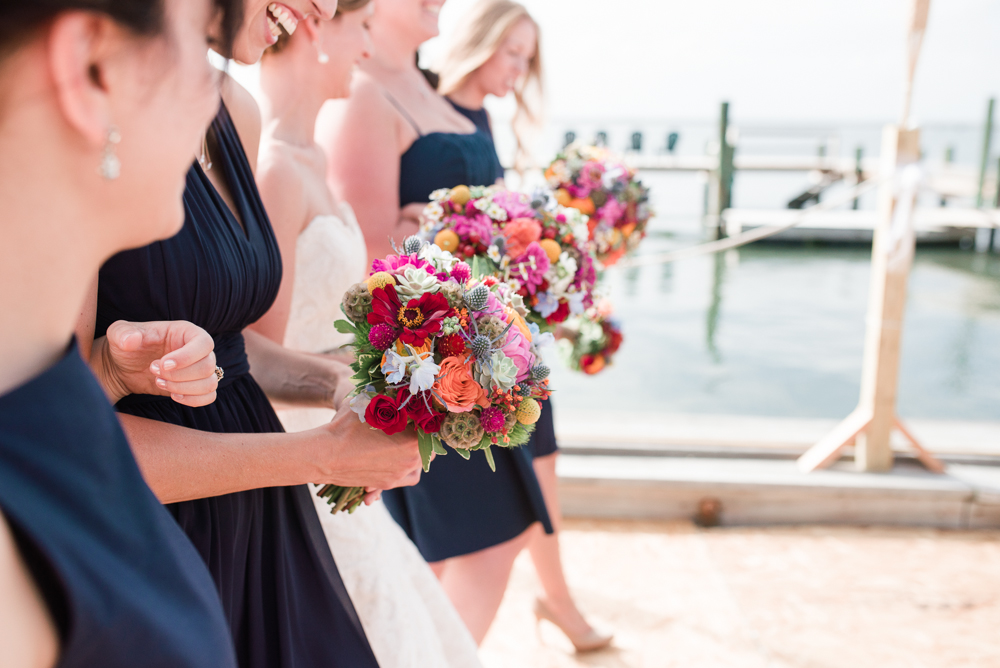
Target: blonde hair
[482,32]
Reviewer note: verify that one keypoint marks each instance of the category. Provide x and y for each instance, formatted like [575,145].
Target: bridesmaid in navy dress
[390,145]
[496,53]
[234,482]
[93,570]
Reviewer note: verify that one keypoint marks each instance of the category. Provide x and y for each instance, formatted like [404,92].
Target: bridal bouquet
[590,179]
[447,353]
[591,340]
[531,243]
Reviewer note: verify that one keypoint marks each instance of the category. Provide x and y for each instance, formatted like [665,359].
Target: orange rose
[563,197]
[457,388]
[512,315]
[592,365]
[584,205]
[520,233]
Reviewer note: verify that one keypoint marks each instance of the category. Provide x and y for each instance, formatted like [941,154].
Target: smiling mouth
[277,15]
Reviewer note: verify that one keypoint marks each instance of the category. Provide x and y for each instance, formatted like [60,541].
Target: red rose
[560,314]
[420,408]
[383,413]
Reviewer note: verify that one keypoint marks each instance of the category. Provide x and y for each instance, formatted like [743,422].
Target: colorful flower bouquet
[591,340]
[537,247]
[590,179]
[447,353]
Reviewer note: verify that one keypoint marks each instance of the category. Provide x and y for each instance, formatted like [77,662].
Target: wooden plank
[828,449]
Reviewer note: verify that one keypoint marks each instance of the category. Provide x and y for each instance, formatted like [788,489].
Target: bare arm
[295,378]
[27,632]
[363,142]
[284,199]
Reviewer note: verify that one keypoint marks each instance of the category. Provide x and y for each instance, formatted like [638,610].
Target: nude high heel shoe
[588,642]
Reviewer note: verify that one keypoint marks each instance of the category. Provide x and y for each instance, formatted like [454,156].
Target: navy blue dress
[265,548]
[460,506]
[543,439]
[121,581]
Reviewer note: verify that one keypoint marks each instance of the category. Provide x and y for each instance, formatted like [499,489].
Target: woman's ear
[311,28]
[78,47]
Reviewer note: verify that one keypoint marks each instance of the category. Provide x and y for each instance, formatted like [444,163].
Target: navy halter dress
[460,506]
[284,599]
[121,581]
[543,439]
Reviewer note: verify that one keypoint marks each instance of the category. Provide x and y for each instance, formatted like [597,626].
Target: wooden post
[871,424]
[722,178]
[985,159]
[859,173]
[949,157]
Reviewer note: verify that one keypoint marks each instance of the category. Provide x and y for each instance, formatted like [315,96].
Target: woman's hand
[174,359]
[366,457]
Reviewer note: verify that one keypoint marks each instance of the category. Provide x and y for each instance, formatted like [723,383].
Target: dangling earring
[205,160]
[111,166]
[322,57]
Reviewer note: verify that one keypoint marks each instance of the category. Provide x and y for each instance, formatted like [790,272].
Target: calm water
[778,330]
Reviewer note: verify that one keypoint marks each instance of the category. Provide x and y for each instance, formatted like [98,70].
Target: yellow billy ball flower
[551,248]
[460,195]
[446,240]
[528,412]
[380,280]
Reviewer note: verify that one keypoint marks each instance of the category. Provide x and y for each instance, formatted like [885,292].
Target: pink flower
[591,175]
[395,264]
[513,203]
[520,233]
[531,267]
[518,349]
[479,225]
[611,211]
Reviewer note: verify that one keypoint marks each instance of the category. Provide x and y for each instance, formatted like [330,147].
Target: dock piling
[985,158]
[859,172]
[722,177]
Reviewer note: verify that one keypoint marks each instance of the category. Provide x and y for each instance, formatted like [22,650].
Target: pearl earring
[111,166]
[321,57]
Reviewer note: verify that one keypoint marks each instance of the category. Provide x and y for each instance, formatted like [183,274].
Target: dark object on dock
[637,141]
[601,138]
[709,511]
[569,138]
[672,141]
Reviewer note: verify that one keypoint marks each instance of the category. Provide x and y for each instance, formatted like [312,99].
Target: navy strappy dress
[460,506]
[543,439]
[284,599]
[122,582]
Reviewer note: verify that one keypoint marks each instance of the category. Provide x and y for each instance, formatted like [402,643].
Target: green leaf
[463,453]
[425,443]
[436,443]
[489,459]
[345,327]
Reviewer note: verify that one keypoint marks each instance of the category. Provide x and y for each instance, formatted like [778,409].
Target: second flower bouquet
[447,353]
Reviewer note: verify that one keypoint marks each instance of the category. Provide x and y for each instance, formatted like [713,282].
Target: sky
[773,60]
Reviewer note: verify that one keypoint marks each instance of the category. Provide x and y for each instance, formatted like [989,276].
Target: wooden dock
[666,467]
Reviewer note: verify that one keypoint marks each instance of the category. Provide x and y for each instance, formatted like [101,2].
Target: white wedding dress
[407,617]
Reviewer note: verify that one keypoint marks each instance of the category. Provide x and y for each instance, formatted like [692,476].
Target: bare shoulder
[368,97]
[27,632]
[245,113]
[280,180]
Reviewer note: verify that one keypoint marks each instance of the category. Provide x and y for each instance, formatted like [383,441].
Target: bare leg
[545,554]
[476,582]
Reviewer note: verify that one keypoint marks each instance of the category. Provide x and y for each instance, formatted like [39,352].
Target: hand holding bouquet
[446,353]
[591,180]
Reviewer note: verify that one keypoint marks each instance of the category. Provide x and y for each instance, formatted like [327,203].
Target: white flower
[433,211]
[423,372]
[482,204]
[493,252]
[440,195]
[496,212]
[359,404]
[415,281]
[394,367]
[441,259]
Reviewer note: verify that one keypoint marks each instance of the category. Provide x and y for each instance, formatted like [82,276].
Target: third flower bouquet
[591,340]
[442,351]
[592,180]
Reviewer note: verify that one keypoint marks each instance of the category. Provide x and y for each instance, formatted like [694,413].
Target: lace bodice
[330,257]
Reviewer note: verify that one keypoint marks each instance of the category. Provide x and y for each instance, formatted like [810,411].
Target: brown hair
[143,17]
[483,30]
[343,7]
